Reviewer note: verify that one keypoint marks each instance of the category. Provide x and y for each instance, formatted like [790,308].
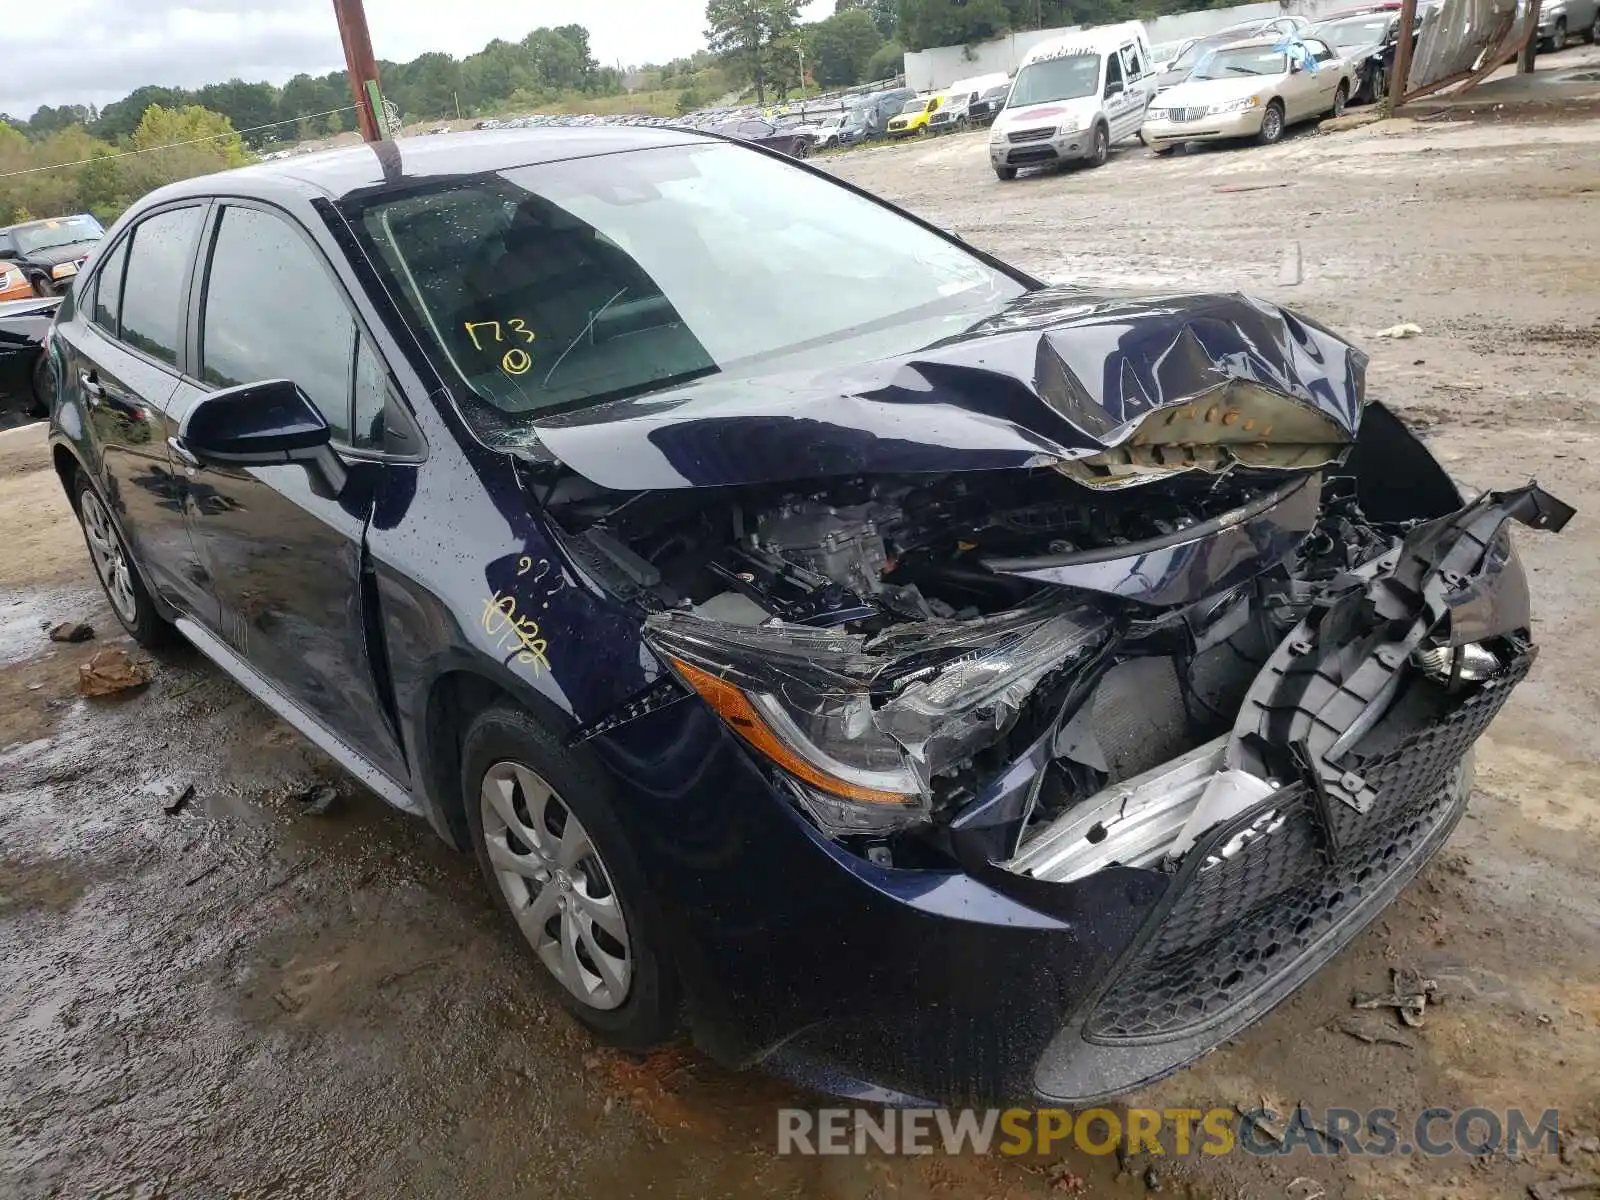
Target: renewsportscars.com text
[1178,1131]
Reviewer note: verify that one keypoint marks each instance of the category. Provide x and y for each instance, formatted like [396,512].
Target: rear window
[152,297]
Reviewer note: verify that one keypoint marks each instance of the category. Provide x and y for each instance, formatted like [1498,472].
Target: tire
[119,575]
[43,286]
[802,149]
[515,772]
[1593,36]
[1558,36]
[1341,97]
[1006,174]
[1379,85]
[1271,124]
[1102,147]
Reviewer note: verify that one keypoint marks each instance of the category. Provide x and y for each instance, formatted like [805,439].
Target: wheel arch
[67,468]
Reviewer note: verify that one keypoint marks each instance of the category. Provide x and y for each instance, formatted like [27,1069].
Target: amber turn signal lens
[732,706]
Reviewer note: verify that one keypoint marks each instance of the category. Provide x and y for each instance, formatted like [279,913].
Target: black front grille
[1032,135]
[1258,897]
[1033,154]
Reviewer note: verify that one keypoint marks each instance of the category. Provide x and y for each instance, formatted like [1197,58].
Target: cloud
[97,51]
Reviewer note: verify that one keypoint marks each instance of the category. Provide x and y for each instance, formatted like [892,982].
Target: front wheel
[1341,97]
[558,863]
[1594,31]
[1379,86]
[1271,124]
[43,285]
[1558,36]
[1101,150]
[118,573]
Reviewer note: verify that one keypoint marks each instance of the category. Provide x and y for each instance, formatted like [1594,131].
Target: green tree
[744,32]
[881,11]
[889,61]
[924,23]
[842,46]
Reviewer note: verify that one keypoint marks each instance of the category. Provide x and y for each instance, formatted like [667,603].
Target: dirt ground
[240,997]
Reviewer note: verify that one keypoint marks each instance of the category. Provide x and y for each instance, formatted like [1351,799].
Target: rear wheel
[119,575]
[559,865]
[1271,124]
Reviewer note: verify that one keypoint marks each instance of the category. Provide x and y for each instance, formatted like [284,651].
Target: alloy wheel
[1271,124]
[109,558]
[1102,146]
[1558,39]
[1339,101]
[557,885]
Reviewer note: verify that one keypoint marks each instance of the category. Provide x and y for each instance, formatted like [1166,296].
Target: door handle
[182,453]
[91,387]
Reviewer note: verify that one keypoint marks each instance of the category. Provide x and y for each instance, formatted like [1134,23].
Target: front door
[285,563]
[1137,80]
[120,353]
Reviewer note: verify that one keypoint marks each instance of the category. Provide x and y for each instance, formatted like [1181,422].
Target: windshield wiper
[1244,70]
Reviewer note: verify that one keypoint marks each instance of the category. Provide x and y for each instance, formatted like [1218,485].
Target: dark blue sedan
[830,641]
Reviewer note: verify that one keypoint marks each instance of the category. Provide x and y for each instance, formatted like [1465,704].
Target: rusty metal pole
[363,68]
[1402,54]
[1530,48]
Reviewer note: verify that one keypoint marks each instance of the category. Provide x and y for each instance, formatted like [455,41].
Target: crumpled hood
[1057,375]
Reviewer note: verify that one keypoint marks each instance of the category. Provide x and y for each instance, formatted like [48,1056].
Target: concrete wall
[940,66]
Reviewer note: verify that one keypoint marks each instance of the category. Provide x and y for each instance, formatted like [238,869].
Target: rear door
[121,351]
[284,565]
[1328,75]
[1139,82]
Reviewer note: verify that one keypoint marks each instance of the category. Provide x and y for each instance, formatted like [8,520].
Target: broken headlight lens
[861,723]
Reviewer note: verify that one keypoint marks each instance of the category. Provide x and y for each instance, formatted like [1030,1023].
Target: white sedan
[1249,89]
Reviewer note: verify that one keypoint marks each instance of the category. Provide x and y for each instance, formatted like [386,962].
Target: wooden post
[1530,48]
[363,68]
[1402,55]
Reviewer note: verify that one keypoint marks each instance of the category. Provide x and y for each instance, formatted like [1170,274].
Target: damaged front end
[1099,584]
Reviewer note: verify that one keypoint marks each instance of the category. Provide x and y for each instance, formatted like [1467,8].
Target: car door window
[272,311]
[107,301]
[152,296]
[1319,50]
[371,398]
[1113,73]
[1132,65]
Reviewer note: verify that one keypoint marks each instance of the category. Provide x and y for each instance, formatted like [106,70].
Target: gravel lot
[244,998]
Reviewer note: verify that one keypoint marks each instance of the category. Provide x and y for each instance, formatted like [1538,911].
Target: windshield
[1064,78]
[1192,53]
[914,106]
[46,235]
[1239,62]
[563,285]
[1364,32]
[997,93]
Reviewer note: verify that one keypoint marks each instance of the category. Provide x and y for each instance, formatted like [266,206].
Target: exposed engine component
[843,544]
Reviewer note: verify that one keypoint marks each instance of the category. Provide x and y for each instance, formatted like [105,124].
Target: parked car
[14,283]
[27,381]
[1251,89]
[1073,99]
[797,668]
[1367,43]
[914,116]
[825,132]
[869,116]
[1563,20]
[952,114]
[762,132]
[1176,69]
[49,252]
[987,106]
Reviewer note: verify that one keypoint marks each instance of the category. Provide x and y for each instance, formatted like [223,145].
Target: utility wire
[171,145]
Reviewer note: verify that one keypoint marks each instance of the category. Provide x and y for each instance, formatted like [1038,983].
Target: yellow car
[913,118]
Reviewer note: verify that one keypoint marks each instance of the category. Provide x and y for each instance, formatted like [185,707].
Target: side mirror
[1294,66]
[1114,88]
[260,425]
[9,254]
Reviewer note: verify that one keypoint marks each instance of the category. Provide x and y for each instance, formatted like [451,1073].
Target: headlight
[1233,106]
[997,137]
[62,270]
[860,726]
[1155,114]
[1070,125]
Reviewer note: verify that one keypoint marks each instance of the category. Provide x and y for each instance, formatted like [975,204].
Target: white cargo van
[1073,99]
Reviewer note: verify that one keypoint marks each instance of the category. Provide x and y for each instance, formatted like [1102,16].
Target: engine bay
[866,554]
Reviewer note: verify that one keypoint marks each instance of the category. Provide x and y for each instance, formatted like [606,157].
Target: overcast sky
[95,51]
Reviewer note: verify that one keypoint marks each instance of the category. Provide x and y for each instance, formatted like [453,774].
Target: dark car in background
[987,106]
[50,252]
[26,379]
[1367,42]
[869,116]
[905,676]
[759,131]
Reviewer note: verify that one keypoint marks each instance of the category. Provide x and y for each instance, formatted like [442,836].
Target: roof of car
[339,173]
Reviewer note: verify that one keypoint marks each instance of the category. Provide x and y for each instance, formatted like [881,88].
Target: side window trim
[201,286]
